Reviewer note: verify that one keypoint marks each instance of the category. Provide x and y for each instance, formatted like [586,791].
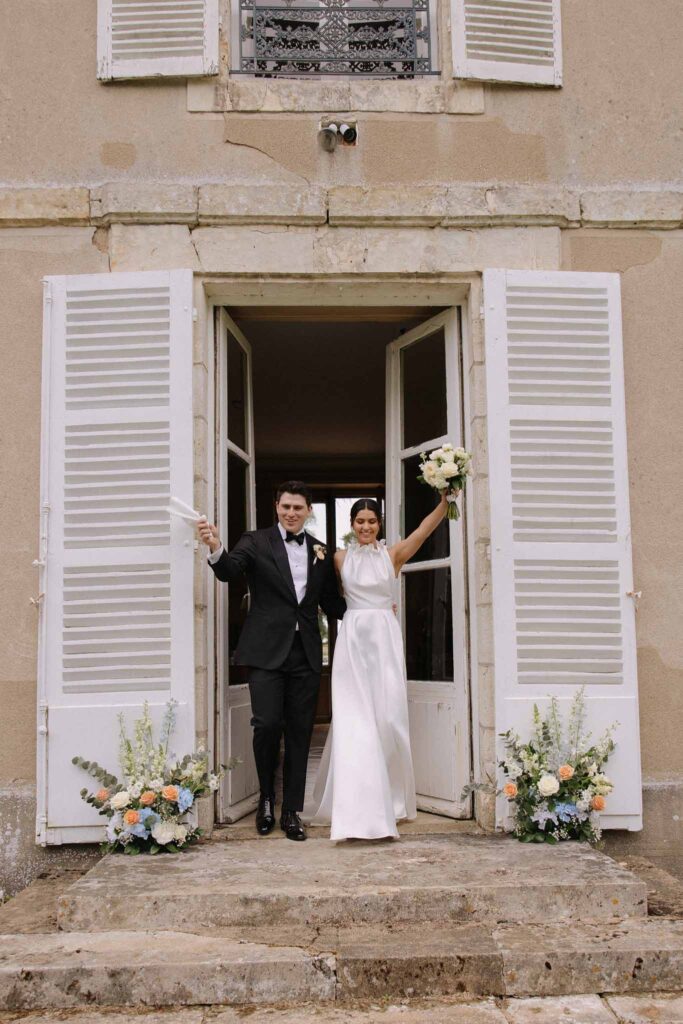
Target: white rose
[449,469]
[163,832]
[548,785]
[120,800]
[438,453]
[180,833]
[429,470]
[447,447]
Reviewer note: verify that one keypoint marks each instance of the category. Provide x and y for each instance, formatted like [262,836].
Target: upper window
[492,40]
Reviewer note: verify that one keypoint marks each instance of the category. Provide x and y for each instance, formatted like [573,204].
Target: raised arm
[230,565]
[405,549]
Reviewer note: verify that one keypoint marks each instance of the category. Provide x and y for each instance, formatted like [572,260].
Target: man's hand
[208,534]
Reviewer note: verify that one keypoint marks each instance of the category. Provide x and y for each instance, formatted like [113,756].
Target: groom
[289,573]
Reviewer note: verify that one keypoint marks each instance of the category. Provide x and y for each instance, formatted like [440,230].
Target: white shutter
[146,38]
[507,40]
[560,529]
[117,605]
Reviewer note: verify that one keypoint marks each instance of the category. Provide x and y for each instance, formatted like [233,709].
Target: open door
[423,411]
[235,513]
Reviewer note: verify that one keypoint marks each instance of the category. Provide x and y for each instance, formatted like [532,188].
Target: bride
[365,783]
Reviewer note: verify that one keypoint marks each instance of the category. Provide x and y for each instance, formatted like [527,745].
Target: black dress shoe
[290,823]
[265,815]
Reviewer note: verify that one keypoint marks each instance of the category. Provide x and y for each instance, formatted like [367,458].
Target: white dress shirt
[297,555]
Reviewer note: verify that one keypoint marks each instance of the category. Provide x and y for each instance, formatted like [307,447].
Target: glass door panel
[428,617]
[423,386]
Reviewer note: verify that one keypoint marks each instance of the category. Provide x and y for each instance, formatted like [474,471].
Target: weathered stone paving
[643,1009]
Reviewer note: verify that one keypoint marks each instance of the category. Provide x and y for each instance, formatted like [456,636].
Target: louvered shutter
[146,38]
[507,40]
[560,530]
[117,608]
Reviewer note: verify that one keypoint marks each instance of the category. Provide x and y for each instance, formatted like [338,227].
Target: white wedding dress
[365,783]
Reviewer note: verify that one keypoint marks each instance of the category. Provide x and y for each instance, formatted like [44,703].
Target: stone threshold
[461,205]
[650,1008]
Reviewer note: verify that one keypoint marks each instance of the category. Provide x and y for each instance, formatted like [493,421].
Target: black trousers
[284,700]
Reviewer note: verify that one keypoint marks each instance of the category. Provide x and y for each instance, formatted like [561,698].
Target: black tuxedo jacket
[274,611]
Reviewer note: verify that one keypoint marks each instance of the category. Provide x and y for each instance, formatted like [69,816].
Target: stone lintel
[457,205]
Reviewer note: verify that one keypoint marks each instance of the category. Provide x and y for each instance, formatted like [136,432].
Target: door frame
[459,291]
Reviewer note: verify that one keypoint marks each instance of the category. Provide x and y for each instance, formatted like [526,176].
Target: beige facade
[226,177]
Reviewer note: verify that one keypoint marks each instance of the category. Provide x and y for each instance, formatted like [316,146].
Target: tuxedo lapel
[277,546]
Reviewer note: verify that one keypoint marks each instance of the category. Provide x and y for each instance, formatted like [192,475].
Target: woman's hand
[208,534]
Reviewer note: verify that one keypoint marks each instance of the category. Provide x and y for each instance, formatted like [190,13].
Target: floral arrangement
[556,785]
[147,809]
[446,469]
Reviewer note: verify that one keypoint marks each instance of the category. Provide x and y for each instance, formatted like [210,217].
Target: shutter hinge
[195,315]
[36,600]
[636,596]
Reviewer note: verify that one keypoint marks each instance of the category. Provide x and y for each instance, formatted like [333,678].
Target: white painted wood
[117,613]
[507,41]
[560,525]
[152,38]
[439,711]
[240,789]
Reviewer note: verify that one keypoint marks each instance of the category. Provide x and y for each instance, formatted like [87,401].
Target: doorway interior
[345,399]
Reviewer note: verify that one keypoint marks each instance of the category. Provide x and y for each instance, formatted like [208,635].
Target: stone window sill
[256,95]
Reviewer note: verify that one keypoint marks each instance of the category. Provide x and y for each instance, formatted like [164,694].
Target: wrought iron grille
[332,37]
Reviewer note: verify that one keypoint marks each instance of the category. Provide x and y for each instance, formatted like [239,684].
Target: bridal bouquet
[556,785]
[445,469]
[147,809]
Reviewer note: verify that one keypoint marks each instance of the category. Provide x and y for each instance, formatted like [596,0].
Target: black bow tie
[298,537]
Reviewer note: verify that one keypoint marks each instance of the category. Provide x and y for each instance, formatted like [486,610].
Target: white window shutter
[117,571]
[507,41]
[149,38]
[560,527]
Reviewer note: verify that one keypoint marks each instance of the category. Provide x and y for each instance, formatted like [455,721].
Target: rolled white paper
[178,508]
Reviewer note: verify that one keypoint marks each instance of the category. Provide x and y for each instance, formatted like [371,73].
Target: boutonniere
[319,550]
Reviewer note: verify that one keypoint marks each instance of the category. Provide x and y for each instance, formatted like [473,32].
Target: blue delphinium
[185,799]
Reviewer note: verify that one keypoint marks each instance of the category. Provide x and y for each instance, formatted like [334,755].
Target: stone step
[436,878]
[339,966]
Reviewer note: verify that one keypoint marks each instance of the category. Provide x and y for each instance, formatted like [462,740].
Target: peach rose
[566,772]
[131,818]
[598,803]
[147,798]
[102,795]
[170,792]
[510,790]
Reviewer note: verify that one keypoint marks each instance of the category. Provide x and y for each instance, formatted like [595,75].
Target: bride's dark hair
[369,505]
